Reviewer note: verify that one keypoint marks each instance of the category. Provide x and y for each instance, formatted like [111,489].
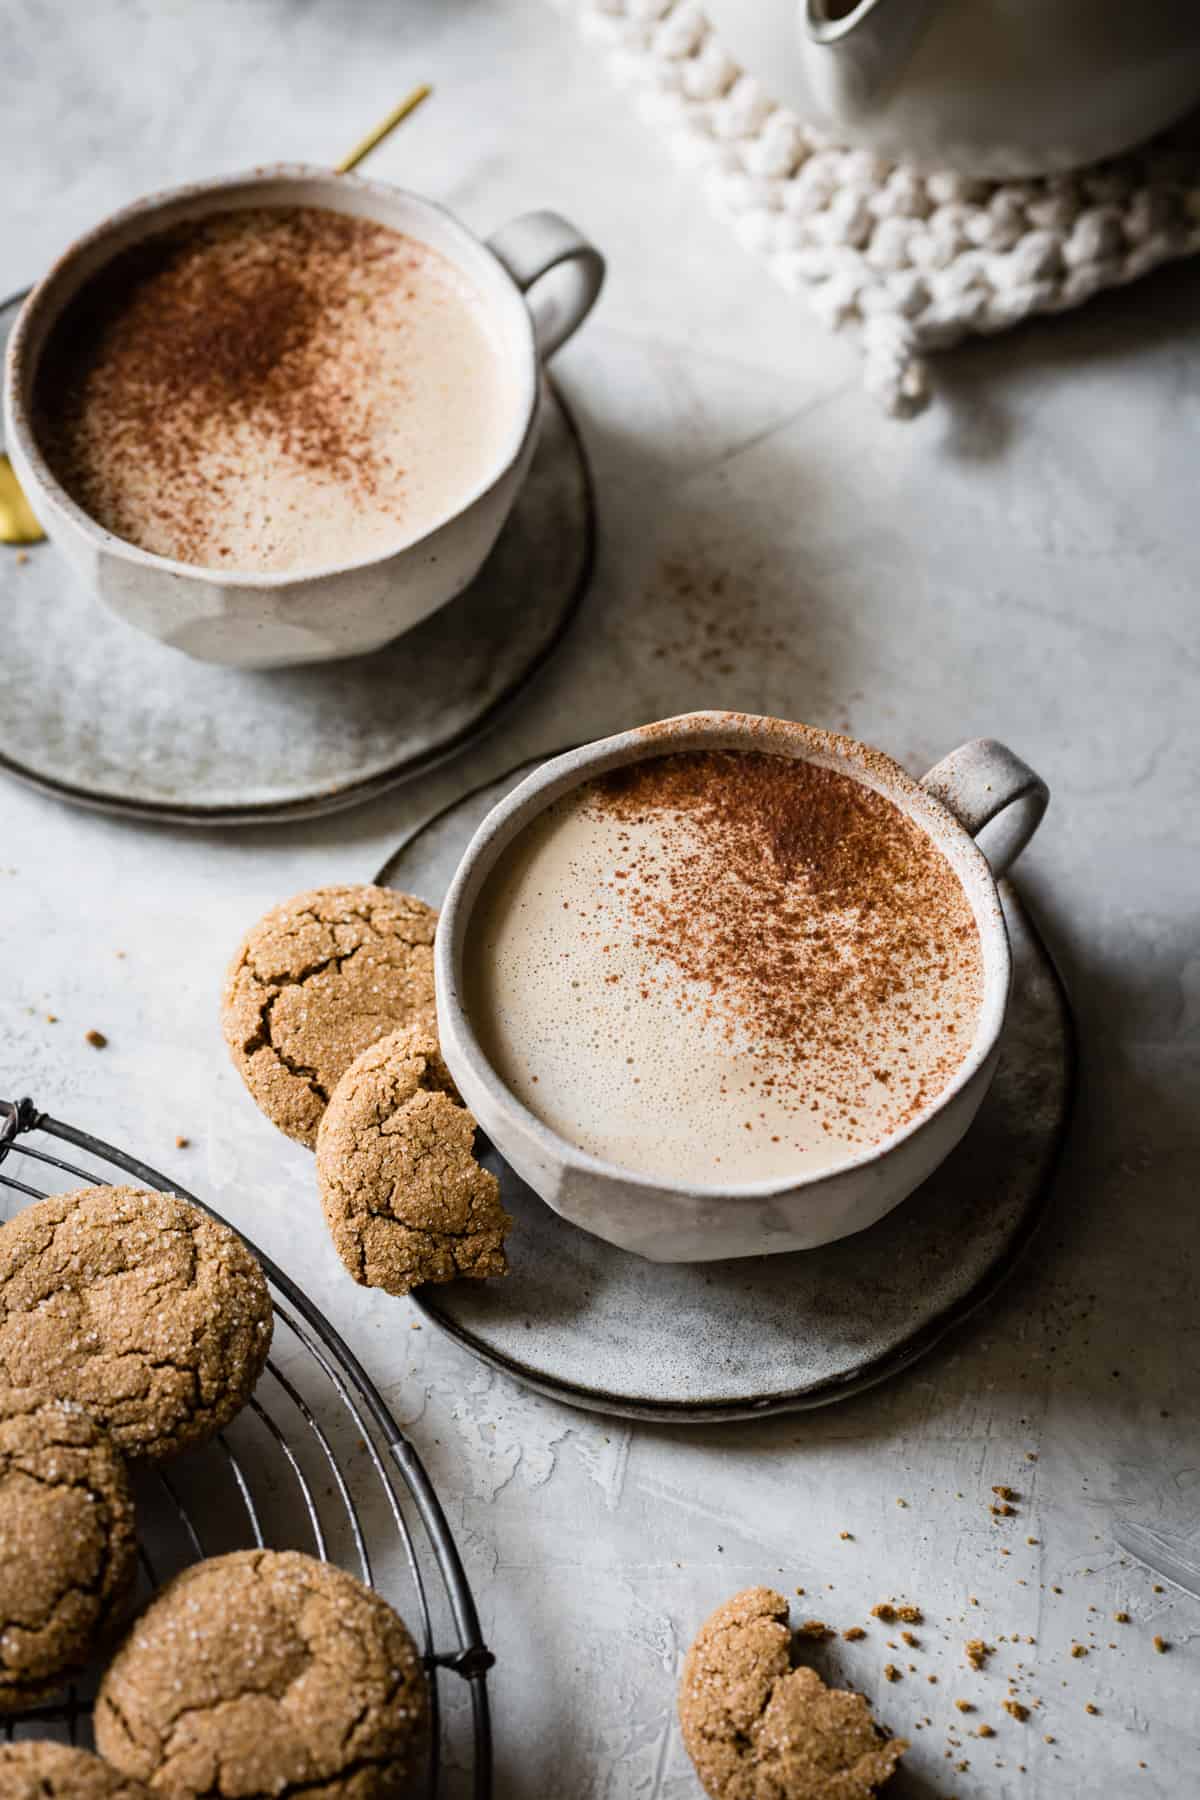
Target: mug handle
[528,248]
[993,795]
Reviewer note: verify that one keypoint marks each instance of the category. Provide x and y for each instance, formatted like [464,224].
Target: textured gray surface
[596,1327]
[1022,563]
[99,712]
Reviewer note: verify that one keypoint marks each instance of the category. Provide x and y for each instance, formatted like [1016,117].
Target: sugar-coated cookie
[265,1672]
[404,1197]
[314,983]
[136,1305]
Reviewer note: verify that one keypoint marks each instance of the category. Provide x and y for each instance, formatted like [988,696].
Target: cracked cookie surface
[758,1729]
[265,1673]
[138,1307]
[314,983]
[404,1198]
[36,1769]
[67,1546]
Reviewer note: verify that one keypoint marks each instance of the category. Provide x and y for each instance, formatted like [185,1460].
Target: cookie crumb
[1160,1644]
[52,1018]
[1089,1708]
[907,1637]
[853,1633]
[1005,1493]
[1078,1649]
[95,1038]
[984,1731]
[816,1629]
[22,558]
[847,1537]
[1121,1618]
[1015,1710]
[976,1652]
[964,1706]
[181,1143]
[891,1672]
[1002,1511]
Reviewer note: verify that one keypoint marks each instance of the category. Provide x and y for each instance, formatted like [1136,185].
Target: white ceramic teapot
[987,87]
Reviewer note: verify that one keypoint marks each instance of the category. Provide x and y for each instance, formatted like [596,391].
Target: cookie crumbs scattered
[1003,1510]
[1078,1649]
[1122,1618]
[891,1672]
[885,1612]
[907,1637]
[853,1633]
[1005,1493]
[1089,1708]
[976,1652]
[95,1038]
[964,1706]
[1160,1644]
[1015,1710]
[816,1629]
[984,1731]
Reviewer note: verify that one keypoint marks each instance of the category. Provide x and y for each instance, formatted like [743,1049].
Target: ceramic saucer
[601,1329]
[96,713]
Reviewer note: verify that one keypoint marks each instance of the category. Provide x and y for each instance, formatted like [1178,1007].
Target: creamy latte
[724,966]
[281,388]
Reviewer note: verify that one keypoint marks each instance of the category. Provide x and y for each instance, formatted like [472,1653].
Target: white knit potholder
[909,262]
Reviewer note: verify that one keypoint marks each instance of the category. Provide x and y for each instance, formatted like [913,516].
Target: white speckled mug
[979,791]
[268,620]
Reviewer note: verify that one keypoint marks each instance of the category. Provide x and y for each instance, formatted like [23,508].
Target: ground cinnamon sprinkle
[219,320]
[818,918]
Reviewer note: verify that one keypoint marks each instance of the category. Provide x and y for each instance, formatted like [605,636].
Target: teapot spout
[858,49]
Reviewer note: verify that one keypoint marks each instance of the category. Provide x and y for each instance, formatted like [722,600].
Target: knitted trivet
[910,262]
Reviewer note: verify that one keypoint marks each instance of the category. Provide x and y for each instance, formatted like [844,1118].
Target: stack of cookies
[134,1326]
[329,1016]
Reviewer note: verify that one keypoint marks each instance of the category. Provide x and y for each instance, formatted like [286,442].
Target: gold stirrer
[17,523]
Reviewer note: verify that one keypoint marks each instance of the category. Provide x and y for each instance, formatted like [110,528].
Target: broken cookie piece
[316,982]
[404,1197]
[136,1306]
[758,1729]
[67,1548]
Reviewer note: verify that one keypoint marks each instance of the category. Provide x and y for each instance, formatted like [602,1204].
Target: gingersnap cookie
[314,983]
[36,1769]
[137,1306]
[67,1548]
[404,1198]
[263,1672]
[757,1729]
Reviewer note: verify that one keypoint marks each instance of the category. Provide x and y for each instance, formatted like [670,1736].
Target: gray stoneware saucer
[599,1328]
[94,712]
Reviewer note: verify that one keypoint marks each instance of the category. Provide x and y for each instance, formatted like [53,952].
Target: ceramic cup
[979,792]
[539,278]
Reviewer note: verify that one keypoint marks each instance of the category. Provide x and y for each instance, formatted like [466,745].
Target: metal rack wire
[309,1463]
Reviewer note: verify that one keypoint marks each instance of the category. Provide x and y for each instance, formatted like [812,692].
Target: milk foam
[604,1039]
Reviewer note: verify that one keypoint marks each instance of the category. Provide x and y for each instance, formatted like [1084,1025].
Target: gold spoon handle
[384,129]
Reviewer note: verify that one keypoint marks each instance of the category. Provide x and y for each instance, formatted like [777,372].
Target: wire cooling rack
[311,1463]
